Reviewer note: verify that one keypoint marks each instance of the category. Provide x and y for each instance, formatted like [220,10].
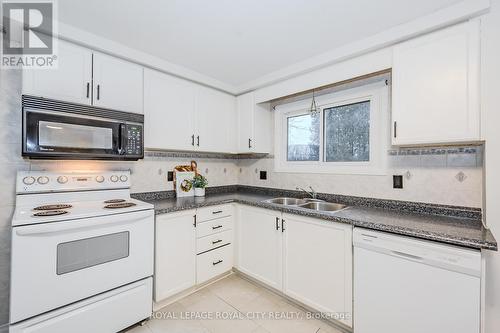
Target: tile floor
[232,305]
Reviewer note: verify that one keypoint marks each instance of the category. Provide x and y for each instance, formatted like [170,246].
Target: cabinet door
[215,120]
[70,82]
[175,254]
[168,111]
[118,84]
[260,245]
[245,107]
[263,128]
[435,87]
[318,264]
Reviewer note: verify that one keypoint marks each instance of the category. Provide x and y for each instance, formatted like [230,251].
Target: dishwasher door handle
[406,255]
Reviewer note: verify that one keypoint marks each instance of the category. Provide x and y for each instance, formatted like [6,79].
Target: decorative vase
[199,192]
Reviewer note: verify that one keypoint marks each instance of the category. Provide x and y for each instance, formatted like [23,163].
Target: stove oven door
[55,264]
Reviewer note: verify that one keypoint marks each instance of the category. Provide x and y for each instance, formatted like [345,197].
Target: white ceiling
[237,41]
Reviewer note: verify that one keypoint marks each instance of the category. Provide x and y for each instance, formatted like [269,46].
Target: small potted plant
[199,184]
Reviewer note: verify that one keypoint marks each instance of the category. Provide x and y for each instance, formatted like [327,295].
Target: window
[303,138]
[349,134]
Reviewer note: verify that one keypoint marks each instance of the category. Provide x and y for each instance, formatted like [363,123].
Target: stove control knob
[113,178]
[42,180]
[123,178]
[99,179]
[29,180]
[62,179]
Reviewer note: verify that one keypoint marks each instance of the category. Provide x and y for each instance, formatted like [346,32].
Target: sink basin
[287,201]
[323,206]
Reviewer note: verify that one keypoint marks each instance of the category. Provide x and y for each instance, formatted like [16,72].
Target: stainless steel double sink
[308,203]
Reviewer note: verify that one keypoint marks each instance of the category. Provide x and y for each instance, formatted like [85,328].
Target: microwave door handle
[50,229]
[122,139]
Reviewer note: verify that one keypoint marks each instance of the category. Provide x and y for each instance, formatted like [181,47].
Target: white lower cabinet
[175,255]
[318,265]
[260,245]
[309,260]
[213,263]
[214,243]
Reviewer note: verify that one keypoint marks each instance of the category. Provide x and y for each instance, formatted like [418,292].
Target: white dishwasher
[403,284]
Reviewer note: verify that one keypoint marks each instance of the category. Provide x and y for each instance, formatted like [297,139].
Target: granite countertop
[456,230]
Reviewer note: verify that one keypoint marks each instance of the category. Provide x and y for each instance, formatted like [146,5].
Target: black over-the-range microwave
[60,130]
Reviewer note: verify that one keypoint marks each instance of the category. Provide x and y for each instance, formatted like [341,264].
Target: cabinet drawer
[213,263]
[214,226]
[210,242]
[214,212]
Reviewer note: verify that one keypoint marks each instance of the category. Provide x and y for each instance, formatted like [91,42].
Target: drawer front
[212,241]
[213,263]
[214,212]
[214,226]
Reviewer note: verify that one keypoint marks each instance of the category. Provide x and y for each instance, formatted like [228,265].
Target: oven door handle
[69,227]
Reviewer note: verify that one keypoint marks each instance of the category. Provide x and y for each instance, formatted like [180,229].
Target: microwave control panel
[134,140]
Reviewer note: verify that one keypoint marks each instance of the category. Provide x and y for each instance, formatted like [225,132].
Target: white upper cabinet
[118,84]
[181,115]
[255,123]
[318,264]
[70,82]
[169,111]
[435,88]
[87,77]
[215,120]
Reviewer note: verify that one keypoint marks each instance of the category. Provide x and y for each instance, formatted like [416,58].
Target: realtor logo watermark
[27,38]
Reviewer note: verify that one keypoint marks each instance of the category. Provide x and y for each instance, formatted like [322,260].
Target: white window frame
[378,95]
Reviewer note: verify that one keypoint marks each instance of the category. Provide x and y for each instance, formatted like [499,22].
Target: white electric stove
[82,253]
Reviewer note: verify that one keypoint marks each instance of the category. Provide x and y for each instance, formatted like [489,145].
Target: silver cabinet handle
[198,140]
[217,241]
[217,227]
[277,223]
[249,143]
[217,212]
[282,225]
[88,89]
[192,140]
[98,91]
[217,262]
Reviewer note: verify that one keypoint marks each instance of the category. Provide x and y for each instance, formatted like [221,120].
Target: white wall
[491,120]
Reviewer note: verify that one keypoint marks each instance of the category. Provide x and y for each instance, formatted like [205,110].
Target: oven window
[54,134]
[88,252]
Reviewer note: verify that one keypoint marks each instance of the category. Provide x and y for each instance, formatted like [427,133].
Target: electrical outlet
[397,181]
[263,175]
[170,176]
